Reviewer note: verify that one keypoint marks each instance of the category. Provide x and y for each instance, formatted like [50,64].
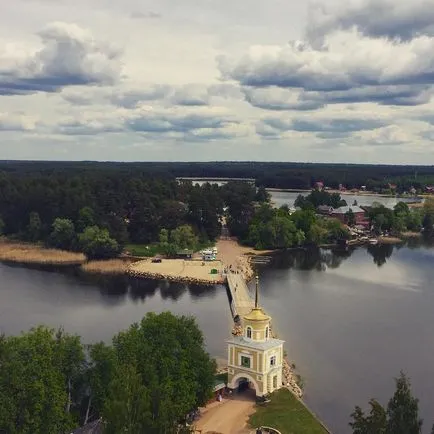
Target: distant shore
[346,192]
[194,271]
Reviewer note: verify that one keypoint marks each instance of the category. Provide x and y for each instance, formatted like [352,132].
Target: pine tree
[403,410]
[374,423]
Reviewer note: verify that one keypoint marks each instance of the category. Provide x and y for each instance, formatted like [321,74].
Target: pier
[240,300]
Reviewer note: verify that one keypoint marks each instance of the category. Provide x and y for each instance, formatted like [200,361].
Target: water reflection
[349,319]
[315,258]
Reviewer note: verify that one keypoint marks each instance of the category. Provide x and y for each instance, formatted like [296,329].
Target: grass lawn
[287,414]
[146,250]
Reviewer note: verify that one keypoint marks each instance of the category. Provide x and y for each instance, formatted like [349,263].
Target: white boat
[373,241]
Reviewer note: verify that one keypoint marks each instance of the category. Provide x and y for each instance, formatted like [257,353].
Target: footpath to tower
[242,302]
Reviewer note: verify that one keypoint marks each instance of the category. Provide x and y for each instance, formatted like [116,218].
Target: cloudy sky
[275,80]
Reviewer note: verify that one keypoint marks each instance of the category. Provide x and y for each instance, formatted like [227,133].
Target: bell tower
[255,358]
[256,324]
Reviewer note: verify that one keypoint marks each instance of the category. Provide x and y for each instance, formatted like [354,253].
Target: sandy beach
[231,253]
[180,270]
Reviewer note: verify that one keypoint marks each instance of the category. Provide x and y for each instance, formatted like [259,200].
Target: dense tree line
[272,228]
[148,380]
[98,212]
[98,209]
[268,174]
[319,197]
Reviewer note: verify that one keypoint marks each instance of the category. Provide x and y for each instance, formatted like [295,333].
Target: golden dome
[257,314]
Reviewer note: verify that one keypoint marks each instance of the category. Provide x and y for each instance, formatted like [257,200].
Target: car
[156,260]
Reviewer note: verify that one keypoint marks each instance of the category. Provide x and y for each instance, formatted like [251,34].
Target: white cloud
[254,80]
[394,19]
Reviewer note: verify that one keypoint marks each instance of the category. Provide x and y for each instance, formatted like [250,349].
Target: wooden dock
[241,301]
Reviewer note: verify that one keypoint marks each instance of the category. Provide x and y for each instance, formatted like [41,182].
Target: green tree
[414,220]
[165,245]
[100,372]
[379,221]
[350,217]
[262,195]
[373,423]
[336,230]
[38,376]
[34,228]
[401,416]
[63,234]
[170,363]
[86,218]
[183,237]
[317,234]
[403,409]
[96,243]
[428,219]
[127,408]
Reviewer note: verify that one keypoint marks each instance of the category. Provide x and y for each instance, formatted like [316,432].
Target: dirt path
[227,417]
[233,254]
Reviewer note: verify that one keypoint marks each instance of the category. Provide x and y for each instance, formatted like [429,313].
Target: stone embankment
[178,279]
[289,379]
[179,270]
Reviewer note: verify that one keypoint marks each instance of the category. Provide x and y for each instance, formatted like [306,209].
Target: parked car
[156,260]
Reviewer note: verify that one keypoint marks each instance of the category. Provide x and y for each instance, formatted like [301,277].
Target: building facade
[255,359]
[342,214]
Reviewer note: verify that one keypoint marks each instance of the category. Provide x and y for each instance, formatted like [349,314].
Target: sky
[209,80]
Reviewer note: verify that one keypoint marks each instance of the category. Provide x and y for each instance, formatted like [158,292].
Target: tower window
[273,361]
[266,333]
[249,332]
[245,362]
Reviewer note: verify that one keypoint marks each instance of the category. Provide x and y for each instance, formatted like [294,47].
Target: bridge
[239,295]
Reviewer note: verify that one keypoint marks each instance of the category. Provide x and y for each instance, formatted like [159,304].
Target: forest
[268,174]
[51,383]
[99,208]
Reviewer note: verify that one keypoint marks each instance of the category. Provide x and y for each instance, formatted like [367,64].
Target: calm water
[352,320]
[287,198]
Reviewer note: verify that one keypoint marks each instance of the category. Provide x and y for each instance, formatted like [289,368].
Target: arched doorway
[245,384]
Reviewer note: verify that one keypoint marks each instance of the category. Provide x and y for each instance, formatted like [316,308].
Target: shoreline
[230,254]
[344,193]
[35,254]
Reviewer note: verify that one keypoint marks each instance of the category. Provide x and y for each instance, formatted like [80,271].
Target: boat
[373,241]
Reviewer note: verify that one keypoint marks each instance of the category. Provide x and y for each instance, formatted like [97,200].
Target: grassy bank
[24,253]
[287,414]
[145,250]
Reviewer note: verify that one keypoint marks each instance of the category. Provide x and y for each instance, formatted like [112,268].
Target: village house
[359,215]
[325,209]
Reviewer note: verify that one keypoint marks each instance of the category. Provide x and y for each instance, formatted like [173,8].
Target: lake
[280,198]
[351,319]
